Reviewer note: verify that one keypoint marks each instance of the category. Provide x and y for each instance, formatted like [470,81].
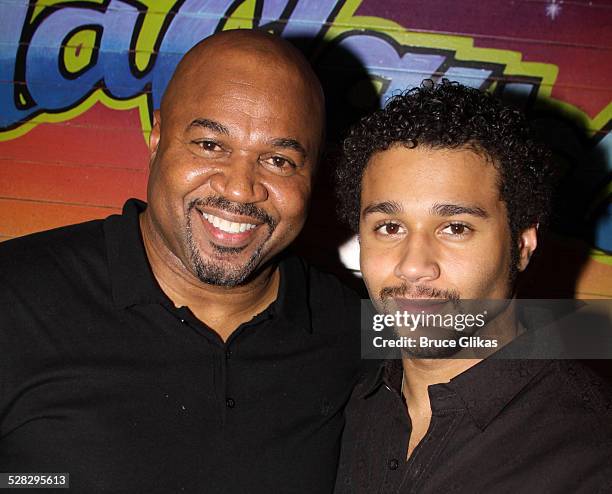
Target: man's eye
[389,228]
[209,145]
[279,162]
[457,229]
[279,165]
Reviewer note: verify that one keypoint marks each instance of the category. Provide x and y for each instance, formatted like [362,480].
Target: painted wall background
[79,79]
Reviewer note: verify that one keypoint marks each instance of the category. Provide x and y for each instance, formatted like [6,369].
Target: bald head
[242,52]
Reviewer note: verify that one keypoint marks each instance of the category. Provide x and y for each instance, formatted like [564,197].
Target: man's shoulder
[330,298]
[84,234]
[570,407]
[59,248]
[569,397]
[327,286]
[584,387]
[368,400]
[332,308]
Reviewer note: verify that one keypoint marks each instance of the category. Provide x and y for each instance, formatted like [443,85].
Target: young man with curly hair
[448,188]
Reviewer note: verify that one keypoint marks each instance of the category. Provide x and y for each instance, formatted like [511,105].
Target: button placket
[229,401]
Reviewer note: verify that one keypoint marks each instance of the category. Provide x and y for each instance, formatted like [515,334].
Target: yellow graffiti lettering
[345,21]
[41,5]
[157,12]
[242,17]
[78,50]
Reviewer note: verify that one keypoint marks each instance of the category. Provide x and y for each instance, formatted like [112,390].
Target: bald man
[178,347]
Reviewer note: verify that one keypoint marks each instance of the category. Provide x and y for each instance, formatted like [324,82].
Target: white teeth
[227,226]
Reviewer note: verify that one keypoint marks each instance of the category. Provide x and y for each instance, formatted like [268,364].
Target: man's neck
[220,308]
[419,374]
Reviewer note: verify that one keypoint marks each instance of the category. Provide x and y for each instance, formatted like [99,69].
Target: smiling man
[233,153]
[177,347]
[447,189]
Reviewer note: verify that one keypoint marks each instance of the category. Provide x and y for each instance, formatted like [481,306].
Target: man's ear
[527,244]
[155,135]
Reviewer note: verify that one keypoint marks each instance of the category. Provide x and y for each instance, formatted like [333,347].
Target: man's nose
[417,262]
[239,181]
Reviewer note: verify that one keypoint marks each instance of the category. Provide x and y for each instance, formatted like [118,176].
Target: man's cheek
[293,213]
[373,273]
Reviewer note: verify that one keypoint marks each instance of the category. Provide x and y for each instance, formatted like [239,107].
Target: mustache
[243,209]
[418,291]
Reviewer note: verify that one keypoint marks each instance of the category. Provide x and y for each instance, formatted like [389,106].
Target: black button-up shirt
[103,378]
[516,426]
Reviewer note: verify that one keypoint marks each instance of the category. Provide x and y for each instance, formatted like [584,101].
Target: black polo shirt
[103,378]
[515,426]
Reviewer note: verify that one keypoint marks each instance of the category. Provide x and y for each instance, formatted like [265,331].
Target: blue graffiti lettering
[382,60]
[196,19]
[13,15]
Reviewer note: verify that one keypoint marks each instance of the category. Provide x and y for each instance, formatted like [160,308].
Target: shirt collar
[484,390]
[293,301]
[133,281]
[388,374]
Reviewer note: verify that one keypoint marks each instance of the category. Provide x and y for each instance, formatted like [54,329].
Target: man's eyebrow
[210,125]
[385,207]
[457,209]
[288,143]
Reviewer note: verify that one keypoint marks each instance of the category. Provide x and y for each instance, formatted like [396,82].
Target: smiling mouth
[226,226]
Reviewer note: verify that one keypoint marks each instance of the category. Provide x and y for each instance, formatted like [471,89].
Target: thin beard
[214,274]
[220,249]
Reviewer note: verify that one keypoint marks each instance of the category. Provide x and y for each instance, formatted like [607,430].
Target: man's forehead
[422,178]
[242,76]
[242,82]
[233,109]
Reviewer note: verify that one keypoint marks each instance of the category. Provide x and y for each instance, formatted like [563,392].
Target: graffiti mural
[79,81]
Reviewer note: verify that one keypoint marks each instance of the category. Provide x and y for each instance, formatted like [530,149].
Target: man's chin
[222,251]
[226,267]
[219,274]
[223,265]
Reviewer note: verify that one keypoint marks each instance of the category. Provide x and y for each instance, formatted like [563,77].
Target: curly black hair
[449,115]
